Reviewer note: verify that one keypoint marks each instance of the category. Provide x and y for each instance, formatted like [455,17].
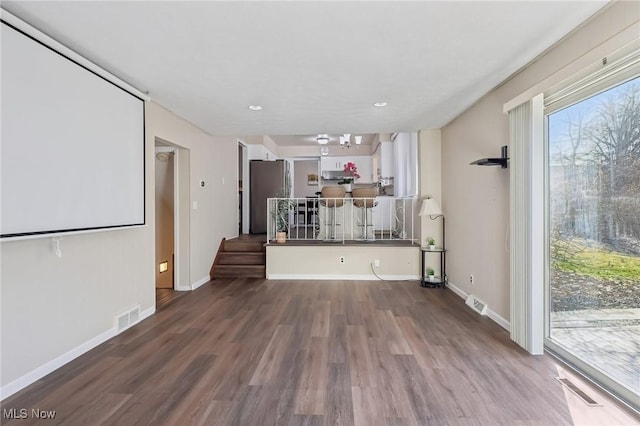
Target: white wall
[314,151]
[213,160]
[53,309]
[301,169]
[430,151]
[476,199]
[322,262]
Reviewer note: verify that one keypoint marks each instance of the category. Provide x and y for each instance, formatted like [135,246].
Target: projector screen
[72,147]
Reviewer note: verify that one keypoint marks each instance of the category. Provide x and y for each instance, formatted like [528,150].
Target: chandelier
[345,141]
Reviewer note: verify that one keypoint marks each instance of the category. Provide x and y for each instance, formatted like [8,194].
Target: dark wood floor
[257,352]
[166,296]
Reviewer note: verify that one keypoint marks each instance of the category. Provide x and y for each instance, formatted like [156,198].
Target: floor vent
[476,304]
[127,319]
[578,392]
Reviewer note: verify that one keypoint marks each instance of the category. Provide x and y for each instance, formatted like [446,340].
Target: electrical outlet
[471,279]
[341,259]
[376,263]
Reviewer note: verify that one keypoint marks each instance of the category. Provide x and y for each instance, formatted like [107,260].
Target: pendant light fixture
[323,139]
[345,141]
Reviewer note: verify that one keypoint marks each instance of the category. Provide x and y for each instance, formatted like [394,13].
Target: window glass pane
[594,241]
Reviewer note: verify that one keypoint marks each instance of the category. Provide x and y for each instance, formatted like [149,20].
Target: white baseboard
[499,320]
[38,373]
[200,282]
[341,277]
[490,312]
[456,290]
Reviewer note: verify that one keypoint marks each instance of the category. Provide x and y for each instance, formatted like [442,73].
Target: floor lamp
[431,208]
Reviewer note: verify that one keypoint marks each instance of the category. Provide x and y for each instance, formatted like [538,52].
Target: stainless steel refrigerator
[267,179]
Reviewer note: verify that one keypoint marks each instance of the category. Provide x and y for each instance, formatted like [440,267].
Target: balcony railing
[343,219]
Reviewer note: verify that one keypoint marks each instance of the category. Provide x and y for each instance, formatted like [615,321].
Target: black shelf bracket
[502,161]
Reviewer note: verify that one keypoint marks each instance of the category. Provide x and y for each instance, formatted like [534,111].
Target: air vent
[476,304]
[123,322]
[578,392]
[127,319]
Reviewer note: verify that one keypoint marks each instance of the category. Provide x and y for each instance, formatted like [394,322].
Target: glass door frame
[592,373]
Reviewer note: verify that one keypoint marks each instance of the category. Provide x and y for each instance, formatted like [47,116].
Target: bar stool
[332,198]
[365,199]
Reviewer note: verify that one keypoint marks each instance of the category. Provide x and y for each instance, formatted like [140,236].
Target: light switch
[195,205]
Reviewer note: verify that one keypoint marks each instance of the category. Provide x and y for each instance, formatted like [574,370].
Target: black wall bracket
[502,161]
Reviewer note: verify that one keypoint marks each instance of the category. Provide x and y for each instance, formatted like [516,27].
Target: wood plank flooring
[257,352]
[165,296]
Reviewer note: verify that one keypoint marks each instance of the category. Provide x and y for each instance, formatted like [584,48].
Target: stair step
[249,271]
[241,258]
[243,246]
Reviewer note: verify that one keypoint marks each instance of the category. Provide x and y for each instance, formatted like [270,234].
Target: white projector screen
[72,147]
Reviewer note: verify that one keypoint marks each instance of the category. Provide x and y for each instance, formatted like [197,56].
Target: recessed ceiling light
[255,107]
[380,104]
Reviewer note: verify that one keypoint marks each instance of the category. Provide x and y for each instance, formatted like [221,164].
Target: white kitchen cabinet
[365,168]
[364,163]
[387,160]
[331,164]
[260,152]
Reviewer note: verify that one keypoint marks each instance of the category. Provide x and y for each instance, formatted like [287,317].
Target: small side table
[436,281]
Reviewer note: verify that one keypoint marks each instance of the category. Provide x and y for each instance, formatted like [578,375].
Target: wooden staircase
[243,257]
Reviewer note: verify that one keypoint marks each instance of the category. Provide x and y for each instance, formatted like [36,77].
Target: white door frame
[245,186]
[181,215]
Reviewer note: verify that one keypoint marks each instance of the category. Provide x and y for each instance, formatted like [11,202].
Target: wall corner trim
[200,282]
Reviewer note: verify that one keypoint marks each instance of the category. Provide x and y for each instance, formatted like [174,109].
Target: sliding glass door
[593,184]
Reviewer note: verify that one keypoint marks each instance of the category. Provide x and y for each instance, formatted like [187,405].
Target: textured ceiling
[314,67]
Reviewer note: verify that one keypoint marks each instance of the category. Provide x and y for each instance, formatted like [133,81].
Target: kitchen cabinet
[405,177]
[332,164]
[365,169]
[260,152]
[336,164]
[387,160]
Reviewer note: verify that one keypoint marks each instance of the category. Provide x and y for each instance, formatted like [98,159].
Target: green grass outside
[596,263]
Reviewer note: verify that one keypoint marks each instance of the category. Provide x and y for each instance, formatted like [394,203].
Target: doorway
[243,188]
[172,217]
[165,216]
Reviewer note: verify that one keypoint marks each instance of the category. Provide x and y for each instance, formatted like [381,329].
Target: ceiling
[314,67]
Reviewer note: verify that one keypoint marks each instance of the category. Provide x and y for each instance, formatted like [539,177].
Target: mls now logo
[23,413]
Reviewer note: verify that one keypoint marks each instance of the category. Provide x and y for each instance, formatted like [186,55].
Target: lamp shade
[430,207]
